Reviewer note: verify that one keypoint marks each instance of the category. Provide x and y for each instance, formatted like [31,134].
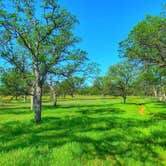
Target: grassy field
[86,132]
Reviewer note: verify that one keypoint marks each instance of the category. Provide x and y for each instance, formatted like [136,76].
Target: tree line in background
[40,53]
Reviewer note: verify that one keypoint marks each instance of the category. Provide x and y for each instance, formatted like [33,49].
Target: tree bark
[54,95]
[32,103]
[38,93]
[54,99]
[33,97]
[38,101]
[124,99]
[72,95]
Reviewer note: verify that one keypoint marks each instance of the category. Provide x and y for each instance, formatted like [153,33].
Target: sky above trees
[103,24]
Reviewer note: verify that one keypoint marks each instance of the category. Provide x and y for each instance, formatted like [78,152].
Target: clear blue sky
[104,23]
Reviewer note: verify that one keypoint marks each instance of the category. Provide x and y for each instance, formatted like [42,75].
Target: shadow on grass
[119,136]
[159,115]
[100,130]
[15,110]
[71,106]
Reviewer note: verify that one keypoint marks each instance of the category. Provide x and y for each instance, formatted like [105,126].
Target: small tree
[71,85]
[121,77]
[98,86]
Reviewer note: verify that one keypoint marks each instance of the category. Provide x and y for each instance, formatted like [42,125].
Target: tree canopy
[146,43]
[43,33]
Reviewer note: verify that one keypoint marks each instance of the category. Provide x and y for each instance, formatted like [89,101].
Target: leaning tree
[44,30]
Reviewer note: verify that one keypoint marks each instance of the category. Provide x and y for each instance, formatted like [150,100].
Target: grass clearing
[84,131]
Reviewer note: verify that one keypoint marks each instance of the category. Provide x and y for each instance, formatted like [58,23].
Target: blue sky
[104,23]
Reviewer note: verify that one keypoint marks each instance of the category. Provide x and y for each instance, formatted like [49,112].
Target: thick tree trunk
[38,93]
[38,102]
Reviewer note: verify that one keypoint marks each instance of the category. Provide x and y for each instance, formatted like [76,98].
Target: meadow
[85,131]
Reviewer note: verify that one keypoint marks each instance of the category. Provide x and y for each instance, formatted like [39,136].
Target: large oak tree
[44,31]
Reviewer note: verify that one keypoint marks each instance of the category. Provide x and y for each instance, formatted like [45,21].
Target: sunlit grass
[84,131]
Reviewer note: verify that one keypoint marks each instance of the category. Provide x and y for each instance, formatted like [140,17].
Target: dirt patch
[141,107]
[141,110]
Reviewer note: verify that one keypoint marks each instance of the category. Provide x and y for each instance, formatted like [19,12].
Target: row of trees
[123,79]
[143,72]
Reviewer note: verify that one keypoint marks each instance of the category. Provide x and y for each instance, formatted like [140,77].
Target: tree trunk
[54,95]
[163,94]
[124,99]
[155,92]
[32,103]
[54,99]
[38,93]
[24,98]
[160,95]
[33,97]
[64,95]
[38,101]
[72,95]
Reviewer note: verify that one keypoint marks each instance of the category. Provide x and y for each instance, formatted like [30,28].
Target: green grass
[84,131]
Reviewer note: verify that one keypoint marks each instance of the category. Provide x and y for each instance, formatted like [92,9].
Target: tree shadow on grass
[15,110]
[160,115]
[114,135]
[71,106]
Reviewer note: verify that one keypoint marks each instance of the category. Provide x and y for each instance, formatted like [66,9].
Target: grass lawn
[84,131]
